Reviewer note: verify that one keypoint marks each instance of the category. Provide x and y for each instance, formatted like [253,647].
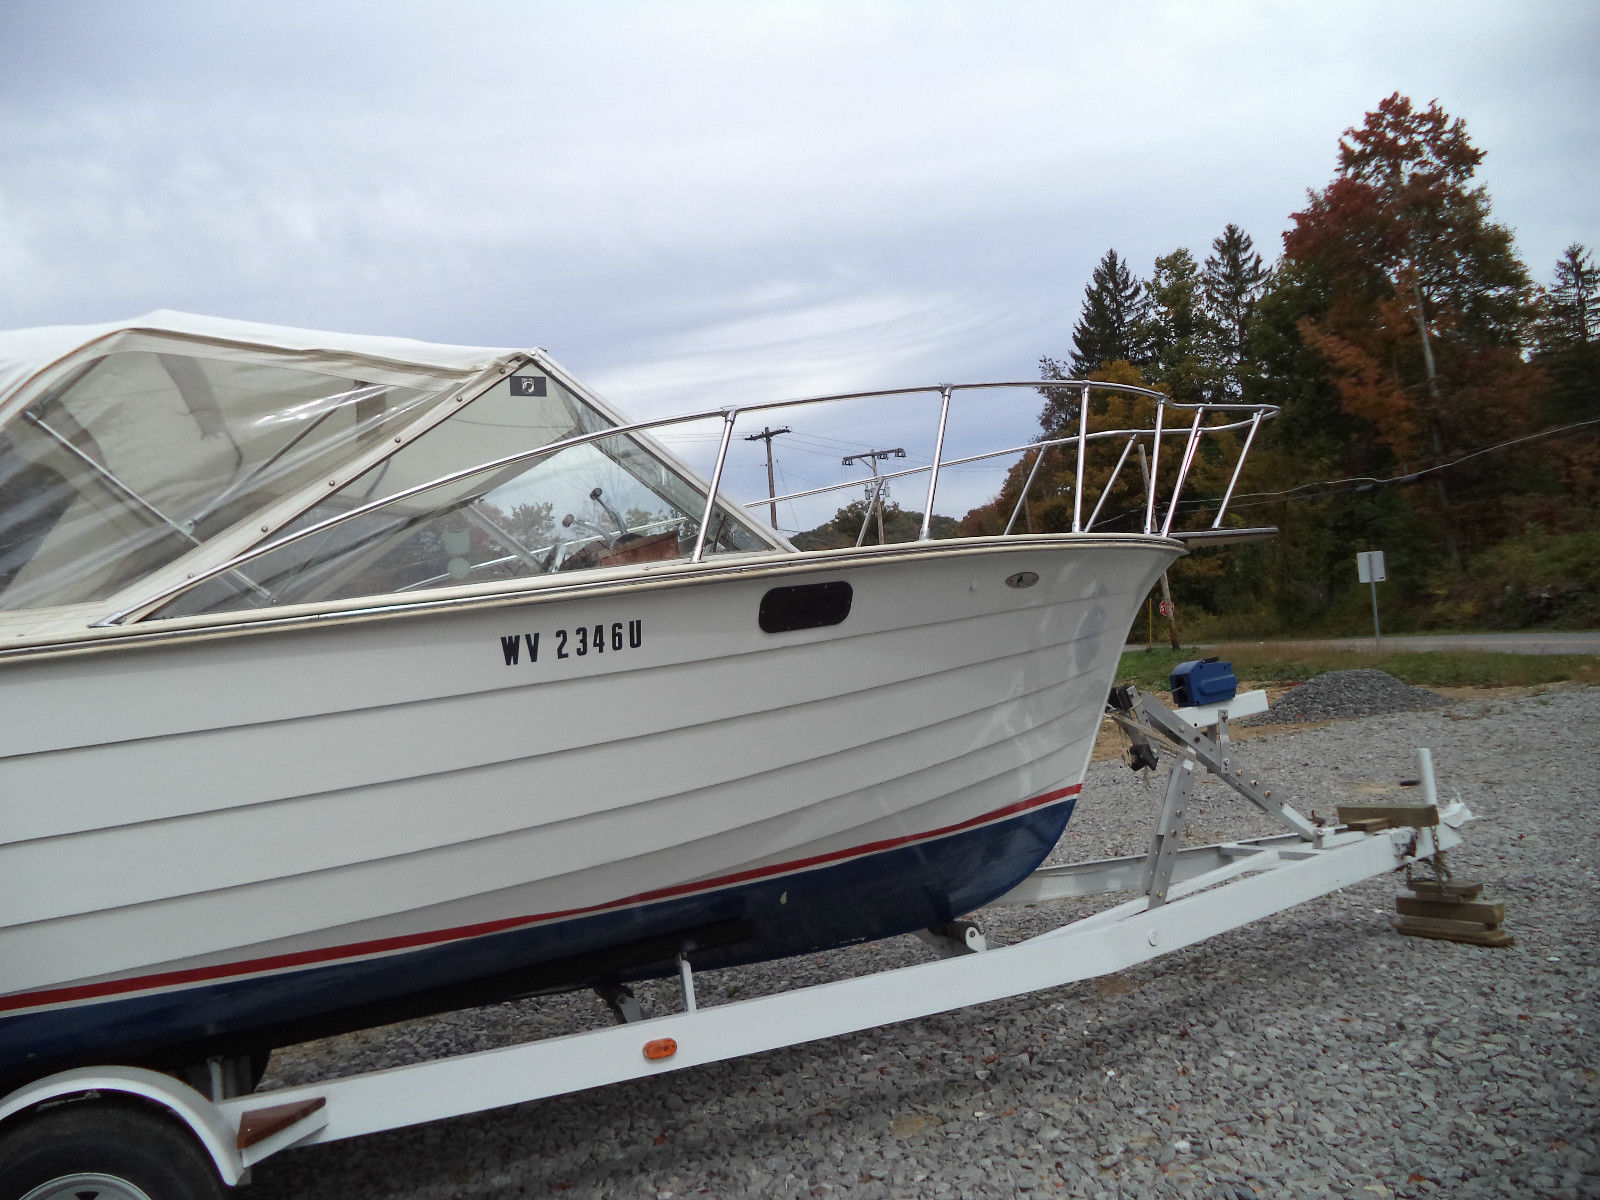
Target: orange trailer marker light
[661,1048]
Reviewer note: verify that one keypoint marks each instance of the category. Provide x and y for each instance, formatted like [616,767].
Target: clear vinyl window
[141,456]
[603,503]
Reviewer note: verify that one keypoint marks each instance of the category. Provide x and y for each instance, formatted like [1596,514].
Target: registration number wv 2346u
[577,642]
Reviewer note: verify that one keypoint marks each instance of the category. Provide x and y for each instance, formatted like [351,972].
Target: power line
[1371,481]
[1365,482]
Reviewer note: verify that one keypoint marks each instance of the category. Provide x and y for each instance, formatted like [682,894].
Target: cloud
[704,202]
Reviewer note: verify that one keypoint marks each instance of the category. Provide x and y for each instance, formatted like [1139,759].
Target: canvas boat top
[139,455]
[25,353]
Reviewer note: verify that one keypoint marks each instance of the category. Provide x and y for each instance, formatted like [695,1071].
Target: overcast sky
[691,204]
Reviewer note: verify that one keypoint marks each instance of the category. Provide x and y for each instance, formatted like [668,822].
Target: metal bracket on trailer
[955,938]
[1142,714]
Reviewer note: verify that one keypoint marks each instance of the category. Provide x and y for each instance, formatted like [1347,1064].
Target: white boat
[346,678]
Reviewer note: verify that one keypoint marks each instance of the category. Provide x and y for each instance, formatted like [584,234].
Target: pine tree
[1567,331]
[1232,282]
[1172,331]
[1110,330]
[1114,306]
[1570,311]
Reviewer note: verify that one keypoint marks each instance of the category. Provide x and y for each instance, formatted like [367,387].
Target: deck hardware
[1155,473]
[1083,445]
[1183,469]
[1255,423]
[729,416]
[1022,579]
[938,455]
[1023,494]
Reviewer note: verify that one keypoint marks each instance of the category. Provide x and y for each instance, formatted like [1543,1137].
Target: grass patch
[1424,668]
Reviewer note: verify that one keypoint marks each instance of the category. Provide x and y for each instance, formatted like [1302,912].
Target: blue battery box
[1203,681]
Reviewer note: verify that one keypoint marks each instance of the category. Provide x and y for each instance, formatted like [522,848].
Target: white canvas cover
[27,353]
[130,443]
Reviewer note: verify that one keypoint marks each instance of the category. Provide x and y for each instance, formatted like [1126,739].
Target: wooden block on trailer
[1483,912]
[1366,825]
[1471,932]
[1445,891]
[1413,816]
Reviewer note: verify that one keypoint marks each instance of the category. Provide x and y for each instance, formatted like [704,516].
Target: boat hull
[236,841]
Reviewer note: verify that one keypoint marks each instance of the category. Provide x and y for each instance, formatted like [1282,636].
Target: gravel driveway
[1316,1053]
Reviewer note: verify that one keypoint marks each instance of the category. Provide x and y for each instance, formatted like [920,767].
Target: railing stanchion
[938,452]
[1189,449]
[1255,423]
[1110,483]
[1083,447]
[1023,495]
[866,517]
[729,416]
[1155,463]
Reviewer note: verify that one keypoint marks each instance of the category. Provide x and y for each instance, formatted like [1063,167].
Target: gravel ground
[1316,1053]
[1340,694]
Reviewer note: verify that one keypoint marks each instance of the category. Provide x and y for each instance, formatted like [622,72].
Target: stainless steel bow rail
[1179,896]
[1080,441]
[1203,420]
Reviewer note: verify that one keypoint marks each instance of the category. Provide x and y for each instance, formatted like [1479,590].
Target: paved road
[1505,643]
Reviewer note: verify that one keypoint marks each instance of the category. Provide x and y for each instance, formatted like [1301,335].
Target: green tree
[1569,310]
[1231,282]
[1173,331]
[531,524]
[1114,305]
[899,525]
[1569,355]
[1108,330]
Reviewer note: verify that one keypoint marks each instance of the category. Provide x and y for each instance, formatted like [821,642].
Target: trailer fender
[204,1120]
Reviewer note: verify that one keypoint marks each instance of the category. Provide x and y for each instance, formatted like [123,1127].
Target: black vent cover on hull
[808,606]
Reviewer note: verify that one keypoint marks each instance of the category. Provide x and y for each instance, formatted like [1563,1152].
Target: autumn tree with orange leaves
[1431,403]
[1419,304]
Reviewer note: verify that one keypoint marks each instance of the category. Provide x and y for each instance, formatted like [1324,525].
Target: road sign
[1369,569]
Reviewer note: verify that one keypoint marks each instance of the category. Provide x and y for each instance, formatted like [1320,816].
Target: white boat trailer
[1182,896]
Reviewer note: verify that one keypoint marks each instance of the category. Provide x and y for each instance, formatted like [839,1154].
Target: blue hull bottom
[875,895]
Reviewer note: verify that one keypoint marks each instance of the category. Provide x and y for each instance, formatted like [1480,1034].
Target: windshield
[604,503]
[140,456]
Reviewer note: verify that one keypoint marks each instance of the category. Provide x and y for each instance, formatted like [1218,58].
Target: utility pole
[875,457]
[1167,609]
[766,435]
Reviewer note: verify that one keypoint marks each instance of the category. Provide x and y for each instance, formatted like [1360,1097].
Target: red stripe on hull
[302,958]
